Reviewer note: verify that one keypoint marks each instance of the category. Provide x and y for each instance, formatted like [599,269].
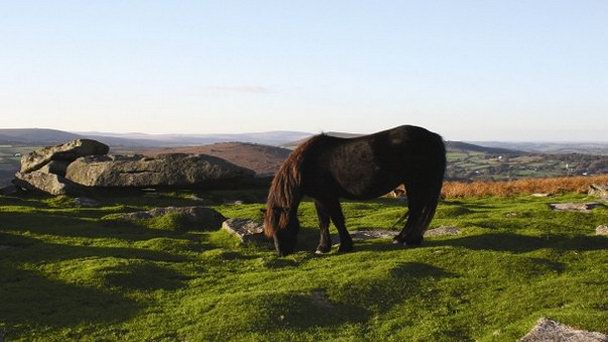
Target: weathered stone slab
[167,170]
[442,230]
[65,152]
[368,234]
[246,230]
[46,182]
[577,207]
[601,230]
[548,330]
[199,217]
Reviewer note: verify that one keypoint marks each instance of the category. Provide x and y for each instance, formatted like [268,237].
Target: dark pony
[327,168]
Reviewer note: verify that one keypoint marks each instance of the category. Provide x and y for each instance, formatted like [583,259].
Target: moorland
[68,275]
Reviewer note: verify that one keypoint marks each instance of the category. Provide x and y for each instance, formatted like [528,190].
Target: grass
[67,275]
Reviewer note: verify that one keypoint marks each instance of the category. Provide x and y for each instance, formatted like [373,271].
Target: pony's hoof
[320,252]
[345,249]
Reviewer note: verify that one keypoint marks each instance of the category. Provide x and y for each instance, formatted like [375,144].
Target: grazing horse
[327,168]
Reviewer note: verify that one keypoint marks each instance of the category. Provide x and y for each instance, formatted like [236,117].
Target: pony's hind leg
[325,239]
[410,234]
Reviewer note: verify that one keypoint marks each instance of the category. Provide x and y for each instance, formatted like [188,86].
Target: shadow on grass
[504,242]
[509,242]
[18,249]
[68,226]
[30,299]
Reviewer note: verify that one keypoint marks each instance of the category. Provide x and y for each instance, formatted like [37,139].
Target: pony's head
[282,225]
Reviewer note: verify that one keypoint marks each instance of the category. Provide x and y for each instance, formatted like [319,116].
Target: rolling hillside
[265,160]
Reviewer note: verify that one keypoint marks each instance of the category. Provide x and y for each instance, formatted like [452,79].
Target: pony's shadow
[503,242]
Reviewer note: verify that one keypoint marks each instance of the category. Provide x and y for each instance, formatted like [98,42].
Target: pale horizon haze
[469,70]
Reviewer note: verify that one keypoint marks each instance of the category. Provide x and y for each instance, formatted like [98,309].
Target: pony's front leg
[325,239]
[335,211]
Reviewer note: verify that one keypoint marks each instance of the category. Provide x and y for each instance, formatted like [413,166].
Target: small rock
[577,207]
[200,217]
[548,330]
[86,202]
[200,199]
[511,214]
[246,230]
[239,202]
[601,230]
[540,195]
[443,230]
[598,190]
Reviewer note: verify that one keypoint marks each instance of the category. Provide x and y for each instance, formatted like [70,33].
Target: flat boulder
[49,183]
[200,218]
[368,234]
[549,330]
[245,230]
[442,231]
[67,152]
[576,207]
[165,170]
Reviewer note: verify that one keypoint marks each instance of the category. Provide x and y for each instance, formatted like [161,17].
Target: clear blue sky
[471,70]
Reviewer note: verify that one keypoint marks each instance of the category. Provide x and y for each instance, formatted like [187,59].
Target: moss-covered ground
[67,275]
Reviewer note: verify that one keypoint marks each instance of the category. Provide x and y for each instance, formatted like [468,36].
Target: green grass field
[65,275]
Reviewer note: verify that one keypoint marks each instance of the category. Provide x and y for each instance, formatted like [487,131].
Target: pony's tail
[425,196]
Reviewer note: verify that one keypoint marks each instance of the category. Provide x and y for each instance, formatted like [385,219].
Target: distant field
[9,163]
[64,275]
[467,165]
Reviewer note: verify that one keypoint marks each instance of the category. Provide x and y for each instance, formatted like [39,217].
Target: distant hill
[460,146]
[275,138]
[454,146]
[41,136]
[265,160]
[34,136]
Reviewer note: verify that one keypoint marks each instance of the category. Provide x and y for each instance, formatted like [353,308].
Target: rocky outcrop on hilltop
[82,165]
[64,154]
[44,170]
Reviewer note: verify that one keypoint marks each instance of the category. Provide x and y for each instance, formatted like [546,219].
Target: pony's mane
[285,189]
